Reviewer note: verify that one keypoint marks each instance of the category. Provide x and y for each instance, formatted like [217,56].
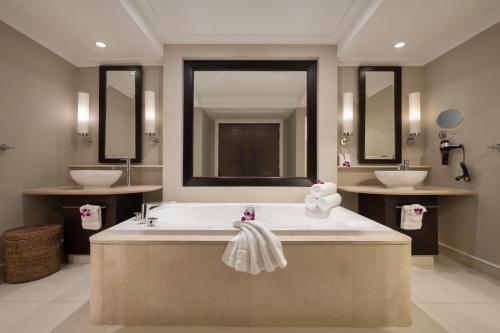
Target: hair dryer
[445,146]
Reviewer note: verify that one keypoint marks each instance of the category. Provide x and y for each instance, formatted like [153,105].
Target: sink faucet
[146,207]
[405,166]
[127,161]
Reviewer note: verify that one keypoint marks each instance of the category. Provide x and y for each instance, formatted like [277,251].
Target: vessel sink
[92,179]
[401,179]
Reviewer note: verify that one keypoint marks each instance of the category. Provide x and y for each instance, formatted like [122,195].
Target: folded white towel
[321,190]
[254,249]
[329,201]
[311,201]
[91,217]
[411,216]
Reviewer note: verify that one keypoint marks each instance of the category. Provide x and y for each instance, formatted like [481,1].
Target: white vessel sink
[95,178]
[401,179]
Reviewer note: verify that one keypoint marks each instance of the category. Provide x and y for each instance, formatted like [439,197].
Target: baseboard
[78,259]
[470,260]
[422,260]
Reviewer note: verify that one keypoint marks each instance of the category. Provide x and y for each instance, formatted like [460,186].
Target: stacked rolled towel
[254,249]
[323,196]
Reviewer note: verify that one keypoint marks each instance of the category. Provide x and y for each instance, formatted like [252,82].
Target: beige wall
[412,80]
[37,116]
[172,154]
[468,79]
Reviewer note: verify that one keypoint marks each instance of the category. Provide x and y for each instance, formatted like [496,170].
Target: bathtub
[282,219]
[343,270]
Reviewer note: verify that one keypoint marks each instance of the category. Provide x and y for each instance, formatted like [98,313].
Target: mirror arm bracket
[412,139]
[153,138]
[87,140]
[344,138]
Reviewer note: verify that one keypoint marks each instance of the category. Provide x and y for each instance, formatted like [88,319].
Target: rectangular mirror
[379,115]
[120,113]
[249,122]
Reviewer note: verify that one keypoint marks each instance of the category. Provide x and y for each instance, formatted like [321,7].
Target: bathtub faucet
[146,207]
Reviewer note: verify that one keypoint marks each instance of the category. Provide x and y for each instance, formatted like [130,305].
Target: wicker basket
[32,252]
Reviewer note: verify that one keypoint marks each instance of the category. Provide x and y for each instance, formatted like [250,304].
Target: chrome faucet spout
[146,207]
[405,166]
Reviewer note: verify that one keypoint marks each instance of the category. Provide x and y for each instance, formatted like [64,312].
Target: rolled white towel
[321,190]
[311,201]
[328,202]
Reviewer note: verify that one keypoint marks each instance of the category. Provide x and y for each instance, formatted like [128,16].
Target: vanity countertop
[78,190]
[419,190]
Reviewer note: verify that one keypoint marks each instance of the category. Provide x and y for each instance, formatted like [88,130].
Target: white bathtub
[217,218]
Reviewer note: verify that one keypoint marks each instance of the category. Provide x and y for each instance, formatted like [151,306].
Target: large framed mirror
[379,114]
[249,123]
[120,113]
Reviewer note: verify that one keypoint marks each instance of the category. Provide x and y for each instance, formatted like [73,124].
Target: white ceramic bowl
[401,179]
[95,178]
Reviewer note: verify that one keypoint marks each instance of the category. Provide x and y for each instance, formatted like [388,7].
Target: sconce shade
[83,113]
[347,112]
[149,112]
[414,112]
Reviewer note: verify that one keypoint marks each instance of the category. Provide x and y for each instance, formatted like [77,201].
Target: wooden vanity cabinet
[385,210]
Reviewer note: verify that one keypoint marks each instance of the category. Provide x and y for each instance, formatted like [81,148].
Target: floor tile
[12,313]
[471,318]
[51,288]
[448,297]
[452,283]
[44,318]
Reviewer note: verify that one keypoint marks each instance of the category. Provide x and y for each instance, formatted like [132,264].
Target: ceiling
[363,30]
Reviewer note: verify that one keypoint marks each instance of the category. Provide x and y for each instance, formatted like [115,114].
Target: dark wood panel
[249,150]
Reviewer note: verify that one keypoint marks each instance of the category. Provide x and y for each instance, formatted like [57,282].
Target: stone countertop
[419,190]
[78,190]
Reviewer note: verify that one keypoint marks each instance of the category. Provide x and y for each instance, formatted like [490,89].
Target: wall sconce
[84,117]
[150,117]
[414,117]
[347,117]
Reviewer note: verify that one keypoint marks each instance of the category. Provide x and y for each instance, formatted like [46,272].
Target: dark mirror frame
[190,66]
[397,113]
[103,70]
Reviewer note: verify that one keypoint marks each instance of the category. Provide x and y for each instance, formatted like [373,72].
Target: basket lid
[32,231]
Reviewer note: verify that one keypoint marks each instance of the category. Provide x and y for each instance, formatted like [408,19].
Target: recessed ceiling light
[399,45]
[100,44]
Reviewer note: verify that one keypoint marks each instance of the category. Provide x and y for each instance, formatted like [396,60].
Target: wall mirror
[379,114]
[449,118]
[120,113]
[249,123]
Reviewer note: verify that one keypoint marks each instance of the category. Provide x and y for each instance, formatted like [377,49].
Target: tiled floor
[447,297]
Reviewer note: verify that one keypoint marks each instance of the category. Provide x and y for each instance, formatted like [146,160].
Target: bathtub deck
[368,237]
